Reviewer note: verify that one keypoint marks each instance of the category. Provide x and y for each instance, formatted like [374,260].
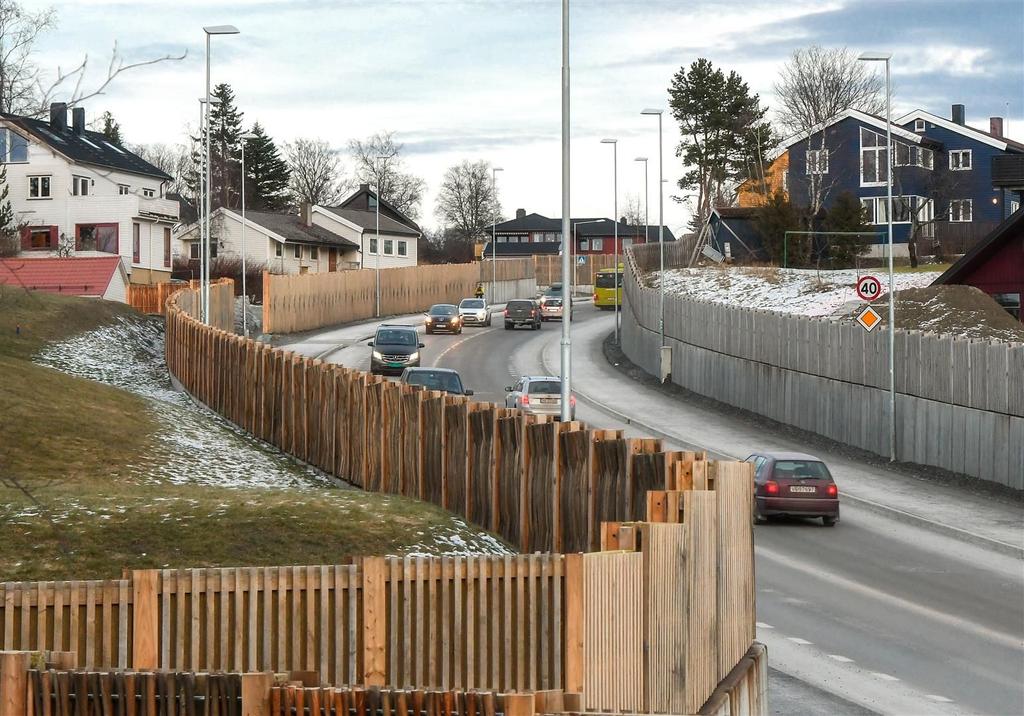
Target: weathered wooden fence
[298,303]
[959,403]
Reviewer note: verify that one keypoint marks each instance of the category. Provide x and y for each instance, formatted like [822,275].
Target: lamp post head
[220,30]
[213,100]
[641,159]
[497,169]
[249,135]
[651,111]
[609,141]
[874,56]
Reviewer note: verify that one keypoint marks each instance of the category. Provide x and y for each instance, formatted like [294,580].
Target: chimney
[622,220]
[995,126]
[520,213]
[958,114]
[306,213]
[59,117]
[78,120]
[364,187]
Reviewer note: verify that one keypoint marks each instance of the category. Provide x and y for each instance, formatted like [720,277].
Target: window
[123,189]
[136,243]
[149,193]
[961,210]
[80,186]
[1009,301]
[403,248]
[13,147]
[584,245]
[817,161]
[39,238]
[278,249]
[919,125]
[960,160]
[314,253]
[213,248]
[167,247]
[596,244]
[39,187]
[874,158]
[297,251]
[904,208]
[96,237]
[371,202]
[373,246]
[903,154]
[1014,205]
[389,247]
[193,250]
[626,243]
[928,158]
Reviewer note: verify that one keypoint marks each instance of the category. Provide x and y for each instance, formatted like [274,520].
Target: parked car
[435,379]
[792,483]
[444,317]
[552,308]
[539,395]
[522,312]
[475,312]
[395,348]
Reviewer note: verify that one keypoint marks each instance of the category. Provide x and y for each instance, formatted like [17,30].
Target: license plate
[802,488]
[395,365]
[549,400]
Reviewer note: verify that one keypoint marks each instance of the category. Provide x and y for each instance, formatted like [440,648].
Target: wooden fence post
[256,694]
[518,704]
[145,619]
[374,625]
[13,683]
[574,622]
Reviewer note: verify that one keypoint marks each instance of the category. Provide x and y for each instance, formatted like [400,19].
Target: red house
[995,265]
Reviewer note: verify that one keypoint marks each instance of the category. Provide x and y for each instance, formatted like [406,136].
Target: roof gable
[856,115]
[974,133]
[359,201]
[1011,228]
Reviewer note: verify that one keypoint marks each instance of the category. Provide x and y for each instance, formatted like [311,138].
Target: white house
[398,234]
[77,193]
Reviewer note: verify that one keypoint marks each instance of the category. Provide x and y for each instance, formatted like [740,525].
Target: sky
[480,79]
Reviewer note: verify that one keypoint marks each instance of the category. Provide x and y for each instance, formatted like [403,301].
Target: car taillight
[832,490]
[771,487]
[595,296]
[506,311]
[526,400]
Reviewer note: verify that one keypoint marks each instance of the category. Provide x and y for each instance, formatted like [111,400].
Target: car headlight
[377,355]
[414,356]
[481,314]
[429,319]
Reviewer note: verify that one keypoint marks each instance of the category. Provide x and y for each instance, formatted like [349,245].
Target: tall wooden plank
[374,622]
[145,618]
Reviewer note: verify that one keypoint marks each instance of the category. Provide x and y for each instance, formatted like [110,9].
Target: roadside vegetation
[96,478]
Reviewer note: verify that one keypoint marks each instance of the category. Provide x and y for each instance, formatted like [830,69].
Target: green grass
[920,268]
[72,507]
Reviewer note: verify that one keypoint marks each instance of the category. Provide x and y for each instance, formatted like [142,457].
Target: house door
[332,260]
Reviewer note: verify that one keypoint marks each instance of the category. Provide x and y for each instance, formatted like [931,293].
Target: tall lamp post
[661,226]
[566,343]
[615,218]
[203,238]
[245,296]
[210,30]
[494,224]
[376,253]
[886,57]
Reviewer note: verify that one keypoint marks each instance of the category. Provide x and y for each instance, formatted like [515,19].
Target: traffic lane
[920,615]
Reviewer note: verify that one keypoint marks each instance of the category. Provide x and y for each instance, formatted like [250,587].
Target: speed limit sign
[869,288]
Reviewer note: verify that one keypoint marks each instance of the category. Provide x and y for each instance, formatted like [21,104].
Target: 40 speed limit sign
[869,288]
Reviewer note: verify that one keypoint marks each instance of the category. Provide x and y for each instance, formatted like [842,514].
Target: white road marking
[840,658]
[884,677]
[762,625]
[798,640]
[940,699]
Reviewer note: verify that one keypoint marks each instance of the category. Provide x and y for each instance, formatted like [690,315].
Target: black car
[444,317]
[436,379]
[522,312]
[395,348]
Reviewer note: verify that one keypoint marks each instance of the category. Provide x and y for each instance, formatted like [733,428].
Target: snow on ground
[801,291]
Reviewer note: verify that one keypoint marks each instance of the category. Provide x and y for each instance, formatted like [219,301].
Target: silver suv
[539,395]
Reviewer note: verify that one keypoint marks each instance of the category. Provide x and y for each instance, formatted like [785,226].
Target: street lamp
[494,224]
[210,31]
[615,218]
[886,57]
[376,254]
[245,296]
[203,239]
[566,343]
[661,225]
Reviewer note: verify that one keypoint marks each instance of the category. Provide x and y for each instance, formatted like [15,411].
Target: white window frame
[877,207]
[6,156]
[956,215]
[1014,205]
[38,179]
[371,245]
[80,185]
[919,125]
[597,244]
[878,151]
[193,250]
[403,248]
[297,252]
[278,249]
[314,253]
[149,193]
[123,189]
[815,165]
[389,247]
[961,153]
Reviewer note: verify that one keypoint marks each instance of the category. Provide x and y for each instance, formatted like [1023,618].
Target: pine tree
[266,173]
[111,129]
[10,242]
[773,220]
[847,216]
[225,147]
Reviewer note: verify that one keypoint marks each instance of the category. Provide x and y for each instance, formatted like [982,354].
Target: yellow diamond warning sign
[868,318]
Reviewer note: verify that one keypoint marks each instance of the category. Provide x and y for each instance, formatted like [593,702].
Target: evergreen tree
[10,241]
[111,129]
[847,215]
[266,173]
[225,148]
[773,220]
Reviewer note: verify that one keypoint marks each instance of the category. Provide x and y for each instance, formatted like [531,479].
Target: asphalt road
[872,614]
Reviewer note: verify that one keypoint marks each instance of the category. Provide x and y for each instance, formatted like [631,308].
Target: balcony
[162,208]
[1008,171]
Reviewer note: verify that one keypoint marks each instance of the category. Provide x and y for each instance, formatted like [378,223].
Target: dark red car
[792,483]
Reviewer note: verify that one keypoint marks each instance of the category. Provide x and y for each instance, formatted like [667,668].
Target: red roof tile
[76,276]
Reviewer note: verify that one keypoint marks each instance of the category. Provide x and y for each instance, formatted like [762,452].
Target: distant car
[475,311]
[395,348]
[552,308]
[522,312]
[539,395]
[792,483]
[444,317]
[436,379]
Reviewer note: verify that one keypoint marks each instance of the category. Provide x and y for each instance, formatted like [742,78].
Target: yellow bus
[608,288]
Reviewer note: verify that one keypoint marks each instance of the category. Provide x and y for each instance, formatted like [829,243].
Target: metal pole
[494,242]
[892,308]
[661,233]
[566,344]
[377,252]
[199,206]
[245,296]
[206,193]
[615,218]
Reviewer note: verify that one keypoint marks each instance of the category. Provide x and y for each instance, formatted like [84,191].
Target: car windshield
[443,309]
[435,380]
[395,337]
[555,290]
[606,280]
[472,303]
[800,470]
[545,387]
[553,301]
[520,304]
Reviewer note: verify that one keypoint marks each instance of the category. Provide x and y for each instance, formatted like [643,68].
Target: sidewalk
[954,510]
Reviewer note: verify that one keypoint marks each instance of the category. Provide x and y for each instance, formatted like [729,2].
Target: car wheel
[458,332]
[759,519]
[508,326]
[828,521]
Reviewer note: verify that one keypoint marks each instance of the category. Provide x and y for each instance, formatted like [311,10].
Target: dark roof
[1010,229]
[530,222]
[87,148]
[531,249]
[292,229]
[595,226]
[368,221]
[360,200]
[1010,143]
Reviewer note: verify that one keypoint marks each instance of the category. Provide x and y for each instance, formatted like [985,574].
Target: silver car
[475,312]
[539,395]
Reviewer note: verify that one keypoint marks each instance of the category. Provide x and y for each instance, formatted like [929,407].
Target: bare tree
[378,162]
[815,85]
[467,202]
[25,88]
[174,159]
[316,172]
